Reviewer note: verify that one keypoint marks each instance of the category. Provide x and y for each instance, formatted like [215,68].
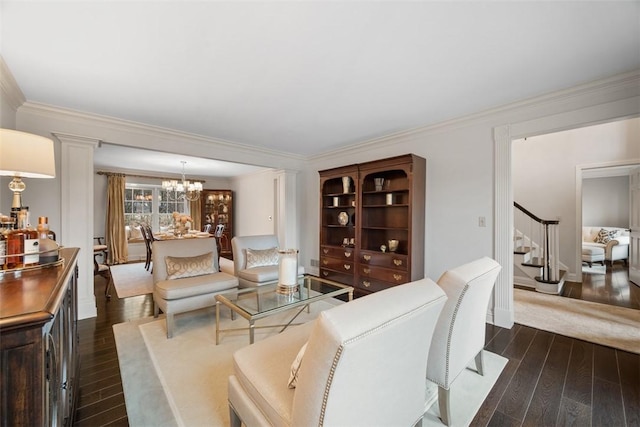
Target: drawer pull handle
[397,262]
[397,276]
[325,261]
[366,283]
[325,273]
[366,270]
[347,254]
[326,251]
[366,257]
[347,267]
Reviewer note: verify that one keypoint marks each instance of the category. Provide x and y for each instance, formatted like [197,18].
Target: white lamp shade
[26,155]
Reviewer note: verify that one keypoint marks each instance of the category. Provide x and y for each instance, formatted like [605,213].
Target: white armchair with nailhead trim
[365,364]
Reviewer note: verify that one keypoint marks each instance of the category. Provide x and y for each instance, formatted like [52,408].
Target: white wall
[605,201]
[254,204]
[544,172]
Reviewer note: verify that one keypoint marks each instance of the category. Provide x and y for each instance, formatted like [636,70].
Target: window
[150,205]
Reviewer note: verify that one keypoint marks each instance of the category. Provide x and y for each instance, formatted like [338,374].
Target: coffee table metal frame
[301,299]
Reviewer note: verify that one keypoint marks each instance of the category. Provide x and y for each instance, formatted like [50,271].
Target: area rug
[131,280]
[188,374]
[608,325]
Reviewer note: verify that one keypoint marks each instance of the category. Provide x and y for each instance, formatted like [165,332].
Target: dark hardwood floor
[549,379]
[612,288]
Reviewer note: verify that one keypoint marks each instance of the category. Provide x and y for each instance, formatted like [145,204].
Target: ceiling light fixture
[183,189]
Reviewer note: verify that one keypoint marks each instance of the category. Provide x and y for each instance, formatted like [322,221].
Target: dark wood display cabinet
[217,208]
[39,345]
[382,243]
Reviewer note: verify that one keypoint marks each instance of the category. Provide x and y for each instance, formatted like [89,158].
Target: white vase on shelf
[346,184]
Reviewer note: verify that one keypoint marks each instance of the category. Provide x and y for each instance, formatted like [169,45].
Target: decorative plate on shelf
[343,218]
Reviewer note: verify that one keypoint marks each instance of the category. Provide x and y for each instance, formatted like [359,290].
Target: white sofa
[617,248]
[364,365]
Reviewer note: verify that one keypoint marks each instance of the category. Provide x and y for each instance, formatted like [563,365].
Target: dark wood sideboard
[39,345]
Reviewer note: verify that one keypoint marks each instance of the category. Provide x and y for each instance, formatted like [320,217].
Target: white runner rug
[131,280]
[190,372]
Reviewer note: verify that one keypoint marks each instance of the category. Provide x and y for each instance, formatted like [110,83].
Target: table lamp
[24,155]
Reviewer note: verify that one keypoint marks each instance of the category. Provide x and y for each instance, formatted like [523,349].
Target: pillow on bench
[181,267]
[262,257]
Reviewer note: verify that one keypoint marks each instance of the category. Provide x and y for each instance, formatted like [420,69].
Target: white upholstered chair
[364,365]
[460,332]
[178,289]
[251,276]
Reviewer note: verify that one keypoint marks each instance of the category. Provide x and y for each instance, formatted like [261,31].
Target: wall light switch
[482,221]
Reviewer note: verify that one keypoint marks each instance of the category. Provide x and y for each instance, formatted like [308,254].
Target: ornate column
[503,228]
[76,204]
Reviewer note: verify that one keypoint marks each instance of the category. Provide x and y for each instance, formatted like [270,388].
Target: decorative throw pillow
[180,267]
[262,257]
[605,236]
[136,233]
[295,367]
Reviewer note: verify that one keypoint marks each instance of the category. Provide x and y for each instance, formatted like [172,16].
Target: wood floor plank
[485,413]
[605,364]
[545,403]
[608,409]
[579,381]
[502,339]
[573,414]
[522,386]
[501,420]
[630,383]
[520,344]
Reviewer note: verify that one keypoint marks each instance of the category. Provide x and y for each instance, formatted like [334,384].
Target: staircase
[536,248]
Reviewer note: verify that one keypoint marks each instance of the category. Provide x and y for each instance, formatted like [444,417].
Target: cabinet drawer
[387,260]
[372,285]
[337,264]
[346,279]
[392,276]
[338,252]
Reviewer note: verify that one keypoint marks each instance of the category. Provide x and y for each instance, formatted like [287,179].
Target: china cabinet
[39,345]
[372,223]
[217,208]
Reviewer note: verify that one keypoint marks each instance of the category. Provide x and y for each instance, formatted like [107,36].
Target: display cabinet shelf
[385,202]
[217,209]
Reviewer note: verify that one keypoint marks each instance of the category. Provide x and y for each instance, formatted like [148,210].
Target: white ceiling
[308,77]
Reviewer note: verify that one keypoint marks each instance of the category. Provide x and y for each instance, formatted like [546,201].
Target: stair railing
[542,238]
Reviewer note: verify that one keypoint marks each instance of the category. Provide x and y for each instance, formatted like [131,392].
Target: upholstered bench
[591,254]
[186,277]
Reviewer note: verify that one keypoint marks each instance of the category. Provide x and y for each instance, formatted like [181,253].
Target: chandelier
[182,189]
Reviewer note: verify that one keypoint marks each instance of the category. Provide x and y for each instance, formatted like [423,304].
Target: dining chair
[102,269]
[147,235]
[459,335]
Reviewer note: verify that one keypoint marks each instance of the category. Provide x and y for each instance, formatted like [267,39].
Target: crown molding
[627,84]
[10,87]
[151,131]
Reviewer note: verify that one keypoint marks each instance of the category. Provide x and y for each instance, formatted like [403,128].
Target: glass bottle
[22,244]
[46,237]
[5,225]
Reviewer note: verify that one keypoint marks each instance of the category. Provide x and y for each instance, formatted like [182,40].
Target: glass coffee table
[264,301]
